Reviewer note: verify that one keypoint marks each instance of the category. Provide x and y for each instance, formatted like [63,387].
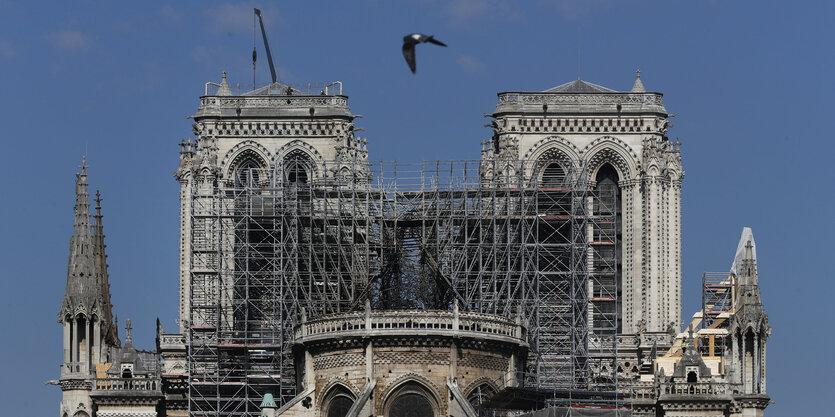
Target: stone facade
[584,127]
[372,359]
[356,362]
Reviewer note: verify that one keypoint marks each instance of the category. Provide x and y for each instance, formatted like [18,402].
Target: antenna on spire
[578,51]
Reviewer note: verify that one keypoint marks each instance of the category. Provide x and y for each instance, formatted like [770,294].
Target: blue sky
[750,83]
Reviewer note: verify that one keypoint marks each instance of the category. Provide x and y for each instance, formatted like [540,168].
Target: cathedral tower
[272,135]
[749,330]
[85,310]
[584,132]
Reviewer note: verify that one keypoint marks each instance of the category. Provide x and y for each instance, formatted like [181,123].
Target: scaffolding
[495,237]
[718,294]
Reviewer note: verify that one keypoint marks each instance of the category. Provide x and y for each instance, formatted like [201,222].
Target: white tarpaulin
[747,234]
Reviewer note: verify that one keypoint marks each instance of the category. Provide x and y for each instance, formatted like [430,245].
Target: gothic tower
[608,140]
[271,135]
[748,332]
[85,310]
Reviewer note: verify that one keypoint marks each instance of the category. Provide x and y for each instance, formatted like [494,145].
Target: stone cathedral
[543,277]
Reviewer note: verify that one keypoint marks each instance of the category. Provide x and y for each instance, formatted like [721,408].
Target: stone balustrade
[244,102]
[412,322]
[695,388]
[127,384]
[580,98]
[643,390]
[171,339]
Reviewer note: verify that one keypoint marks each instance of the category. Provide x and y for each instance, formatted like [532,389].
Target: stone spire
[224,89]
[749,287]
[109,329]
[82,292]
[638,87]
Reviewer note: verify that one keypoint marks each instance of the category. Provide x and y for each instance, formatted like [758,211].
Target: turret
[109,329]
[749,328]
[82,306]
[85,309]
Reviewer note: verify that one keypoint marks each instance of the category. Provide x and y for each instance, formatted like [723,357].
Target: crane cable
[254,53]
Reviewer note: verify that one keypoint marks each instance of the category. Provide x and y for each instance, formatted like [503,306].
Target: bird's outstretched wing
[431,39]
[409,54]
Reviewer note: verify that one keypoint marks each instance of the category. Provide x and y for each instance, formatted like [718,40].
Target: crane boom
[266,46]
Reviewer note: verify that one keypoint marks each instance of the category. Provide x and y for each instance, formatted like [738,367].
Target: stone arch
[412,383]
[482,380]
[563,145]
[299,149]
[479,390]
[247,150]
[551,149]
[609,149]
[337,388]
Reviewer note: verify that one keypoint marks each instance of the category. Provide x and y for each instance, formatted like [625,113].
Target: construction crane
[266,48]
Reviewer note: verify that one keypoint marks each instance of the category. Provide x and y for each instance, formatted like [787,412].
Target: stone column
[626,262]
[81,329]
[85,359]
[675,250]
[762,367]
[632,274]
[67,347]
[651,260]
[755,357]
[734,354]
[96,341]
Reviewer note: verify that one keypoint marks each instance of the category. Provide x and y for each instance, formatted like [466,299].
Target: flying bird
[409,42]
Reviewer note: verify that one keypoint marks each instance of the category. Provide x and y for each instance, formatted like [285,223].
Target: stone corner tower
[617,139]
[271,134]
[86,312]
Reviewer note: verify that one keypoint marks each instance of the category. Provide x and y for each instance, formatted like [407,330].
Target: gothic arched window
[338,402]
[552,175]
[298,168]
[479,395]
[607,260]
[411,400]
[249,169]
[411,405]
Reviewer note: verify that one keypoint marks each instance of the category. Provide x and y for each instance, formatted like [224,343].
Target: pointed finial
[128,328]
[638,87]
[83,165]
[224,89]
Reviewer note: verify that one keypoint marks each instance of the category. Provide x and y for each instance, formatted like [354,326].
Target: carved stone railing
[75,368]
[127,384]
[694,388]
[643,390]
[412,322]
[628,102]
[171,339]
[248,102]
[580,98]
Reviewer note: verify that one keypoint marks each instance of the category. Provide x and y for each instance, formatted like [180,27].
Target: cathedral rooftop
[322,100]
[583,97]
[579,86]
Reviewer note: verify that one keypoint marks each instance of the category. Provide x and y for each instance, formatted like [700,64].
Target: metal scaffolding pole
[269,247]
